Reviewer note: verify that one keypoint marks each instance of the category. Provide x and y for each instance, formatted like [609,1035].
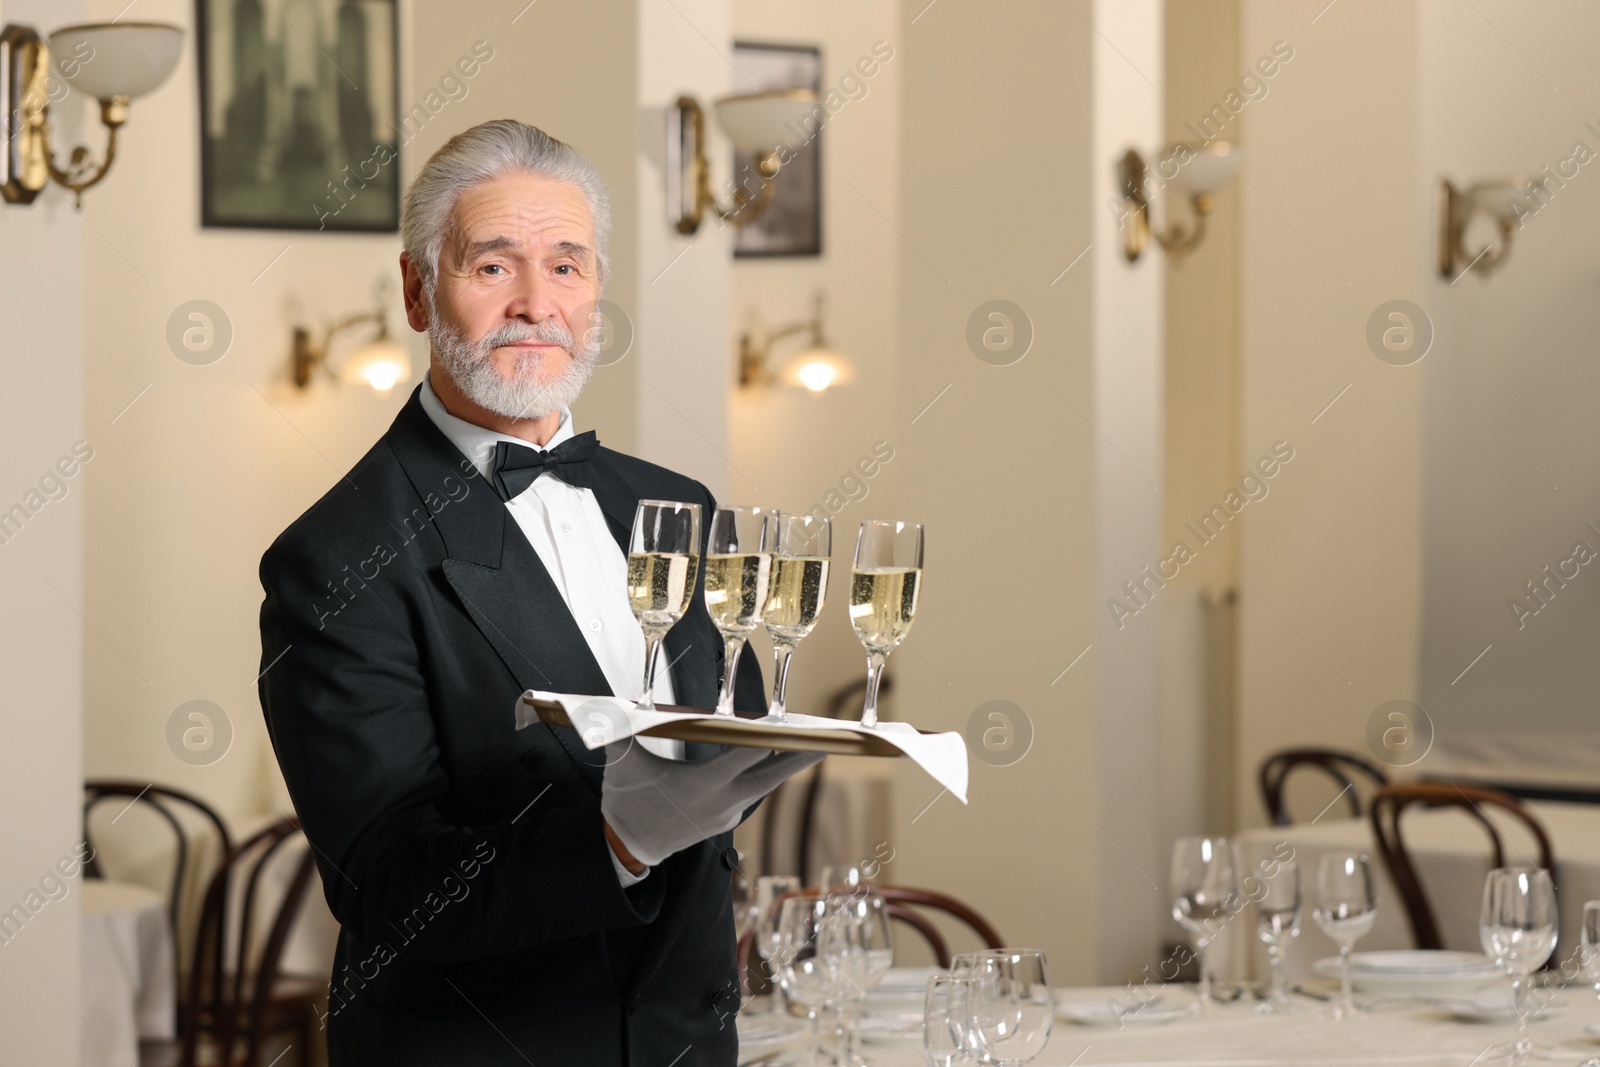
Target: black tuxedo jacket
[482,919]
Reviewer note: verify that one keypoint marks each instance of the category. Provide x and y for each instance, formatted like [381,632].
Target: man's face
[517,284]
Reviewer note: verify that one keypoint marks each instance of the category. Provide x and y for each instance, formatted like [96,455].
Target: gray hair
[482,153]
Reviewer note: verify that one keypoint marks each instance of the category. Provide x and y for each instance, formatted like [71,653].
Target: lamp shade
[1214,165]
[106,59]
[757,123]
[818,369]
[380,363]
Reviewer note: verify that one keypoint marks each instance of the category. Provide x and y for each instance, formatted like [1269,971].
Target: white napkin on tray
[601,720]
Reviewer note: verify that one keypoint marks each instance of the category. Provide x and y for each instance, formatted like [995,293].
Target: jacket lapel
[499,578]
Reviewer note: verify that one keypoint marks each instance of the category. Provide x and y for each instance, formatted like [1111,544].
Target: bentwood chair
[236,995]
[1343,767]
[1390,802]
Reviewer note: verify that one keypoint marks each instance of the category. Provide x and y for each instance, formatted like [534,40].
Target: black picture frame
[791,226]
[304,137]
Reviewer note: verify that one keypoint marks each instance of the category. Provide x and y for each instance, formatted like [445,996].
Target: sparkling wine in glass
[1204,896]
[799,586]
[1011,1006]
[663,560]
[738,579]
[1278,923]
[1518,931]
[884,585]
[1345,909]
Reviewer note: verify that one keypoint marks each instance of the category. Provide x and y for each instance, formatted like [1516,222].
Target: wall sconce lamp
[381,363]
[1456,209]
[1199,172]
[817,367]
[111,61]
[758,124]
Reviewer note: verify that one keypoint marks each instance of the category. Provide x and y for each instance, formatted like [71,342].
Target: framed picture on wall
[792,223]
[298,100]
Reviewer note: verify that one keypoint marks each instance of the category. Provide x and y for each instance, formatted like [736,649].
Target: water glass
[1204,897]
[1345,909]
[947,1039]
[1278,923]
[1518,930]
[1012,1005]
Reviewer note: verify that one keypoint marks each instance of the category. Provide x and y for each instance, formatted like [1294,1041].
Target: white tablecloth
[1234,1036]
[1451,853]
[129,985]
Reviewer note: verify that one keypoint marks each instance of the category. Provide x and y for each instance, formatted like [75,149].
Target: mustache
[545,331]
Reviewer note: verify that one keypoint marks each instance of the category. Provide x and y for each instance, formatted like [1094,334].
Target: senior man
[504,897]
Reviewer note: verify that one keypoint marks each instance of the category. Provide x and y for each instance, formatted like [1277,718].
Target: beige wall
[42,586]
[1333,223]
[793,449]
[1009,478]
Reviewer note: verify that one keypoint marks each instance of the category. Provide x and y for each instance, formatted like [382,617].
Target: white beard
[525,395]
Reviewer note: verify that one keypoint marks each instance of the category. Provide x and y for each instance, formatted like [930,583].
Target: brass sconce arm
[1176,240]
[81,171]
[753,355]
[308,356]
[1456,209]
[747,206]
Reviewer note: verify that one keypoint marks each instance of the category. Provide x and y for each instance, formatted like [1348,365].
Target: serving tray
[741,731]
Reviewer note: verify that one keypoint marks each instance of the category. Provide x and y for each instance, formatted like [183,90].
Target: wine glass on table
[866,951]
[884,585]
[738,579]
[799,587]
[663,559]
[1518,931]
[1345,909]
[1589,944]
[946,1030]
[807,958]
[1278,923]
[770,891]
[1011,1005]
[1204,897]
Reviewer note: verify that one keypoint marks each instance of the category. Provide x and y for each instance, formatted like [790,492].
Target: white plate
[1494,1009]
[1418,961]
[1457,983]
[1119,1014]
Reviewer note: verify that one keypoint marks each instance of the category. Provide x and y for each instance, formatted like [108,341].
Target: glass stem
[781,651]
[1203,992]
[1347,1000]
[730,667]
[816,1035]
[652,648]
[875,662]
[841,1036]
[1519,989]
[1275,961]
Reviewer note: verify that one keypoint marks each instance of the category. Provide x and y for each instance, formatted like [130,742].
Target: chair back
[231,984]
[1342,767]
[166,803]
[1390,802]
[904,899]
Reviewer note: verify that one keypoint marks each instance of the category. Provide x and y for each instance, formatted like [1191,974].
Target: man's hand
[654,806]
[626,858]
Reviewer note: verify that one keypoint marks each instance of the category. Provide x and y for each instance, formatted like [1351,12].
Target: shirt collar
[476,442]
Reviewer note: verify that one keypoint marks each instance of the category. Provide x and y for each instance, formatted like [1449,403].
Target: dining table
[128,988]
[1242,1033]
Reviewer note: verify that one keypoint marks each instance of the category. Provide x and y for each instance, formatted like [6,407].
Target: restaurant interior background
[1411,500]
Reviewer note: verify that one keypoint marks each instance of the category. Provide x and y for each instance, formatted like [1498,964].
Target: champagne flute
[1278,923]
[663,559]
[738,579]
[1203,898]
[946,1034]
[799,586]
[1011,1005]
[1518,931]
[1345,908]
[884,585]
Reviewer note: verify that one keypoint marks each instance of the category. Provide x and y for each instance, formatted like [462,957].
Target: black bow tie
[516,466]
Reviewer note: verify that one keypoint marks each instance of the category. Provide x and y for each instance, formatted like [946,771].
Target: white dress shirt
[568,531]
